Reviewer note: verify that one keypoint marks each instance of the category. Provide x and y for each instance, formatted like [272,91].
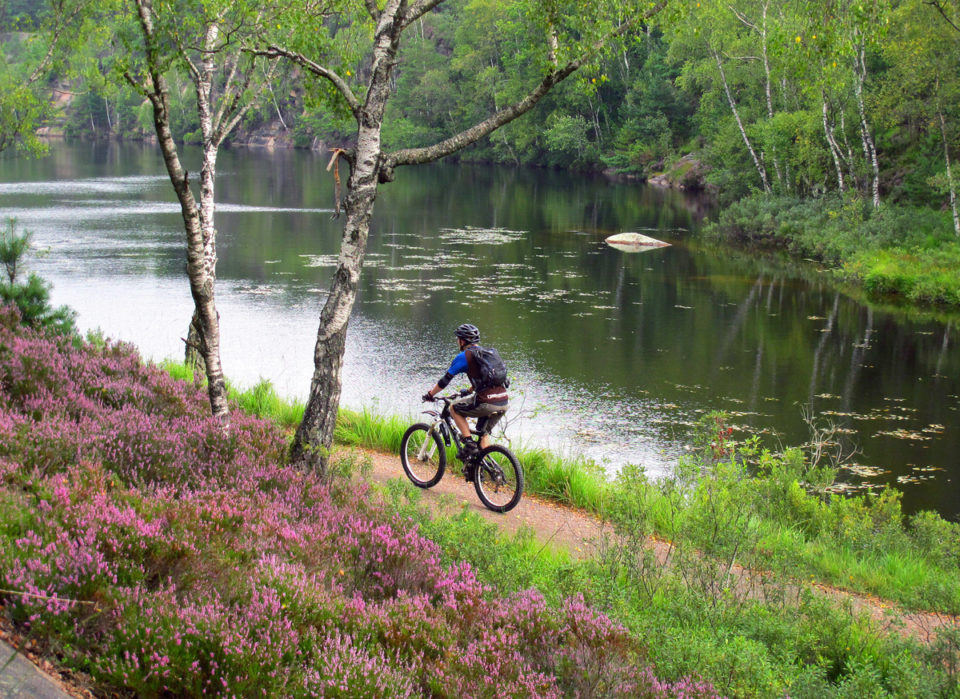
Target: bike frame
[441,425]
[495,471]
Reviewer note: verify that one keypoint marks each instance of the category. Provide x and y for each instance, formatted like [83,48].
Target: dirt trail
[579,532]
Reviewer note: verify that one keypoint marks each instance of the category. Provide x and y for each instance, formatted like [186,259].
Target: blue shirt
[459,365]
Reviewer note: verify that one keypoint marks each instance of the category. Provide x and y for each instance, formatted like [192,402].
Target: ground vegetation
[153,552]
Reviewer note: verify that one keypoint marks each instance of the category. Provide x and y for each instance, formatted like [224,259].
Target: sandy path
[579,532]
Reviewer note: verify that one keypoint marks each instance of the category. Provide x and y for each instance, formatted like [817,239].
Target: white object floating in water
[634,242]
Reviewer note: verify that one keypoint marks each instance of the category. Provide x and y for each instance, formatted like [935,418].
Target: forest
[784,98]
[829,129]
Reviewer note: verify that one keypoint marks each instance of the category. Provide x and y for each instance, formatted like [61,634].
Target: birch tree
[204,40]
[570,35]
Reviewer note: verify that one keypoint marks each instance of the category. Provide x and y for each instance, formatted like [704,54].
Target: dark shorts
[487,414]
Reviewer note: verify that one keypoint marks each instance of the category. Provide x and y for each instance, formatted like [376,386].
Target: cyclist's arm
[458,366]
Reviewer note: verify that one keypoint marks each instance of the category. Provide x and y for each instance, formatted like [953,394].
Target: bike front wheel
[498,478]
[422,455]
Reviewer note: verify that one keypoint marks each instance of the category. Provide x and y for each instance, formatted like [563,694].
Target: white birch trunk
[197,221]
[767,88]
[743,132]
[834,148]
[314,436]
[946,157]
[869,148]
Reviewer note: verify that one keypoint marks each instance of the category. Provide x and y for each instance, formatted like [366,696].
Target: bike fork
[428,448]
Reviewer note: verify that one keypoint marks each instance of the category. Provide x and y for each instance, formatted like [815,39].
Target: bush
[909,252]
[32,298]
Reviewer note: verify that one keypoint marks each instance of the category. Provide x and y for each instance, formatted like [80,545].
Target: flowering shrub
[169,555]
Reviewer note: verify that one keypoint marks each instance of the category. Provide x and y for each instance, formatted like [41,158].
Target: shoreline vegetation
[900,253]
[150,549]
[861,543]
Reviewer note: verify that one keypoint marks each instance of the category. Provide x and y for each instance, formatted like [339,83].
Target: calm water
[612,355]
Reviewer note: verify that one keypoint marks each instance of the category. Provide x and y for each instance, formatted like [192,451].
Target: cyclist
[489,404]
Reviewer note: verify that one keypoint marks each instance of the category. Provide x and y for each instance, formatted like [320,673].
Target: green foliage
[905,251]
[32,298]
[262,400]
[23,106]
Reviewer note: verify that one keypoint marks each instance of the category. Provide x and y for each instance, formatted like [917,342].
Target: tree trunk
[769,94]
[314,436]
[946,156]
[743,132]
[192,356]
[834,148]
[199,267]
[199,242]
[869,148]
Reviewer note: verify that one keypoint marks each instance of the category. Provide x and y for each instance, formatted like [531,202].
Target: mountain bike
[496,474]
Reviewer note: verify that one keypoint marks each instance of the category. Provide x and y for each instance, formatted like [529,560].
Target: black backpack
[487,369]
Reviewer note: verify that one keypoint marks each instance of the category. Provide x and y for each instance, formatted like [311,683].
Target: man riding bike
[489,403]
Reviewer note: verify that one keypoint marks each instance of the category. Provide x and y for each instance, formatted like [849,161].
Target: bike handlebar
[453,397]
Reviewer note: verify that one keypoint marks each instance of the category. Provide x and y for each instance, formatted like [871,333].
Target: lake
[612,355]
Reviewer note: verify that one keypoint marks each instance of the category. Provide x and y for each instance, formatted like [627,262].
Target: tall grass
[369,429]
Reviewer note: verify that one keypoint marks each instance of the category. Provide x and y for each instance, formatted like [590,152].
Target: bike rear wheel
[498,478]
[422,455]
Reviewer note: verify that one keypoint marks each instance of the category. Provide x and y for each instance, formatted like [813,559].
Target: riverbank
[155,548]
[782,501]
[910,254]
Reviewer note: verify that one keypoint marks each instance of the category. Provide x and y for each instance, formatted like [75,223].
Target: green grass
[369,429]
[923,276]
[863,543]
[764,645]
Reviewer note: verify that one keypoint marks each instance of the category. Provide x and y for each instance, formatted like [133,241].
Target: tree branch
[372,9]
[743,18]
[419,9]
[412,156]
[316,69]
[229,90]
[938,4]
[233,114]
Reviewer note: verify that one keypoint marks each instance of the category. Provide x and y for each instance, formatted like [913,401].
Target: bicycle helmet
[468,333]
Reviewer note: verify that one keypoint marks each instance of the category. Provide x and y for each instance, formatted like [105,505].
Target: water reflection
[613,355]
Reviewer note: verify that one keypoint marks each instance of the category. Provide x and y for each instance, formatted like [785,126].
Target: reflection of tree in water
[640,343]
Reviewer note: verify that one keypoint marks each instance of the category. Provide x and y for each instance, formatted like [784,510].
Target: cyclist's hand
[427,398]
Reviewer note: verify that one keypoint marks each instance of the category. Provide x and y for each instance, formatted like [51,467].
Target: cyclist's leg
[485,424]
[461,422]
